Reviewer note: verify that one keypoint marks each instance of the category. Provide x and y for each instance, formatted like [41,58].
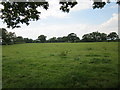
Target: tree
[94,37]
[27,40]
[42,38]
[65,39]
[4,35]
[103,37]
[7,37]
[12,37]
[15,13]
[113,36]
[86,38]
[54,39]
[72,37]
[21,12]
[19,39]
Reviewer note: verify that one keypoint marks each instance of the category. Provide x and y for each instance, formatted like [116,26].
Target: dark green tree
[27,40]
[65,39]
[53,39]
[19,40]
[94,37]
[72,37]
[113,36]
[61,39]
[7,37]
[4,35]
[15,13]
[87,38]
[42,38]
[103,37]
[12,37]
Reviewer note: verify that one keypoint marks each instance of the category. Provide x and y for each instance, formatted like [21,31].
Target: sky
[81,19]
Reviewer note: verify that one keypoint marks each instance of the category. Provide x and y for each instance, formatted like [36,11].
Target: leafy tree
[19,39]
[12,37]
[65,39]
[72,37]
[103,37]
[21,12]
[42,38]
[94,37]
[59,39]
[27,40]
[54,39]
[7,37]
[67,4]
[4,35]
[113,36]
[15,13]
[86,38]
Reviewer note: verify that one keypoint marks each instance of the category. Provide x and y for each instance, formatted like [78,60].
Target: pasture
[60,65]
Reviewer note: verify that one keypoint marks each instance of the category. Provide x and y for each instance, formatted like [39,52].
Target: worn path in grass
[60,65]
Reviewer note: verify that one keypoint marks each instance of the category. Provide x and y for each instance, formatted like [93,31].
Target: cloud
[60,30]
[82,5]
[54,9]
[111,25]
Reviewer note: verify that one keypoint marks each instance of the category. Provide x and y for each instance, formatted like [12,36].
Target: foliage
[72,37]
[21,12]
[15,13]
[19,40]
[7,37]
[27,40]
[113,36]
[67,4]
[42,38]
[53,39]
[94,37]
[11,38]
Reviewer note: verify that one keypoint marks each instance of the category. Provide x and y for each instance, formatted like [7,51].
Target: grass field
[60,65]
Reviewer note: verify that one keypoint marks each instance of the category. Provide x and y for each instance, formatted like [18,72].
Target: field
[60,65]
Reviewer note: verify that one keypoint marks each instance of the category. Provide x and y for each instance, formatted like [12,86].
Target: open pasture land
[60,65]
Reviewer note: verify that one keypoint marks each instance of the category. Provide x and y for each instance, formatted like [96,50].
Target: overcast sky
[82,19]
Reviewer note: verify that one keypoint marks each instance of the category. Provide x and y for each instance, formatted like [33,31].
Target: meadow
[60,65]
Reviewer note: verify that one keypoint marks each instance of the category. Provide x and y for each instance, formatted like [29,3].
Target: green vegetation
[9,38]
[15,13]
[60,65]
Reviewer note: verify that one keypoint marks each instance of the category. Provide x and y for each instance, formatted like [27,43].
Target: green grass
[60,65]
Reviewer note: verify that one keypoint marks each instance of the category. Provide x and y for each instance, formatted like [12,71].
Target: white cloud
[114,6]
[54,9]
[60,30]
[111,25]
[82,5]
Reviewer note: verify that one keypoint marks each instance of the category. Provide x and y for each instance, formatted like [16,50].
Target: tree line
[8,38]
